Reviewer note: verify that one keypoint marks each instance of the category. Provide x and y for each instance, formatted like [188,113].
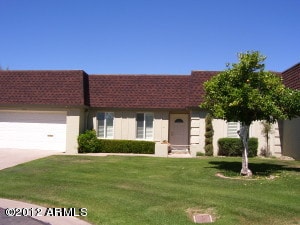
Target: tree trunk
[243,133]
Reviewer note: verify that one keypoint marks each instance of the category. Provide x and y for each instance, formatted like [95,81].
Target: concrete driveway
[13,157]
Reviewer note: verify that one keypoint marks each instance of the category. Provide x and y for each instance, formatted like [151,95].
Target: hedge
[88,142]
[234,147]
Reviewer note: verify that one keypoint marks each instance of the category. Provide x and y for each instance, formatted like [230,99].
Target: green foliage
[266,130]
[120,190]
[200,154]
[88,142]
[234,147]
[245,92]
[209,133]
[127,146]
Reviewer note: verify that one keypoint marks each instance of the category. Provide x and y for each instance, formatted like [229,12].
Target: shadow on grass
[265,169]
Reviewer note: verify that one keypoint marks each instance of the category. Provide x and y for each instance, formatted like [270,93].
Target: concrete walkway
[132,154]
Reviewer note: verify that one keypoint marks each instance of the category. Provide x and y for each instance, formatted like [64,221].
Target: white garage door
[33,130]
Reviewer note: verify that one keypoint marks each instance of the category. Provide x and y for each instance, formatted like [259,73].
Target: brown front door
[179,126]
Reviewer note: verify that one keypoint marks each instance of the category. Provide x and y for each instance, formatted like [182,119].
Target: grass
[146,190]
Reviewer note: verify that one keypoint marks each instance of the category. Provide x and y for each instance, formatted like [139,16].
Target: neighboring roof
[291,77]
[55,87]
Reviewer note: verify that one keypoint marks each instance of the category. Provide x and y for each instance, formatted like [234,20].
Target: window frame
[105,125]
[238,127]
[145,114]
[231,134]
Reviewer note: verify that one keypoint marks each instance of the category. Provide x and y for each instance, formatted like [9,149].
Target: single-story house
[47,110]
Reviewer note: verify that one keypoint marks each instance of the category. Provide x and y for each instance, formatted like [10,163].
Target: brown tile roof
[65,88]
[76,88]
[139,91]
[148,91]
[291,77]
[196,90]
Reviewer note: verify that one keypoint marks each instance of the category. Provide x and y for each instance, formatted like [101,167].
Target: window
[144,126]
[105,127]
[178,121]
[232,128]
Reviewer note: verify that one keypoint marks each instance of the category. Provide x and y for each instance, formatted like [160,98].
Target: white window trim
[239,125]
[144,125]
[105,127]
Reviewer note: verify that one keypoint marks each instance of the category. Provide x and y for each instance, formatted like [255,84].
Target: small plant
[266,131]
[209,133]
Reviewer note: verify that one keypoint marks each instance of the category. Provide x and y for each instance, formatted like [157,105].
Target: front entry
[179,126]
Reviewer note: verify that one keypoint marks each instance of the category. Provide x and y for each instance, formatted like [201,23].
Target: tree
[245,92]
[209,133]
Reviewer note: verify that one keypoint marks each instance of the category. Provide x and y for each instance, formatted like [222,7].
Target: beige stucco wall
[161,126]
[220,131]
[197,138]
[125,128]
[75,126]
[197,132]
[291,138]
[256,129]
[125,124]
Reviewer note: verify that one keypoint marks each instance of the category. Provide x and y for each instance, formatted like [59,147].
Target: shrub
[200,154]
[234,147]
[127,146]
[88,142]
[209,133]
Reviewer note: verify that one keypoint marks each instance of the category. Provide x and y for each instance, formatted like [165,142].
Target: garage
[33,130]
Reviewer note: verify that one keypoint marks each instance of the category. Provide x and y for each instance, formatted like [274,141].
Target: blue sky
[146,36]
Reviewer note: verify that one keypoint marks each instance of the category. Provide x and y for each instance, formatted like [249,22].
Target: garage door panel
[41,117]
[33,130]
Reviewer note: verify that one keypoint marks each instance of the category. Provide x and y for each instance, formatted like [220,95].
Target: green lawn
[146,190]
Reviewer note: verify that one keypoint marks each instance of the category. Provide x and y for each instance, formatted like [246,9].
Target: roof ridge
[36,71]
[292,67]
[146,75]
